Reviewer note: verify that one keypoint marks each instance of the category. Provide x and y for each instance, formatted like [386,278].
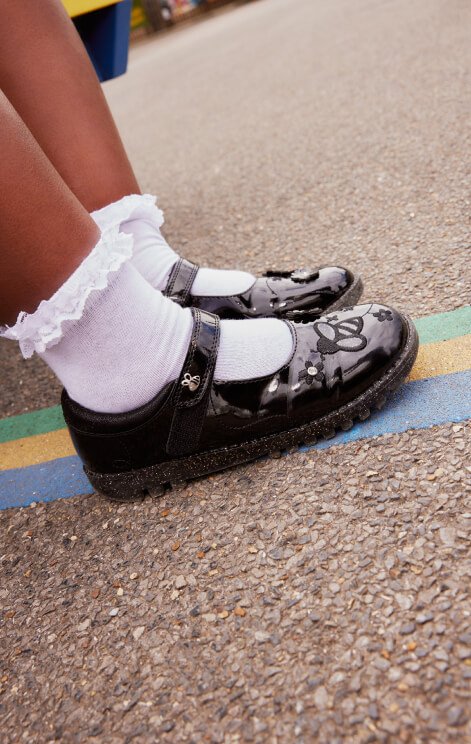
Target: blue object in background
[105,33]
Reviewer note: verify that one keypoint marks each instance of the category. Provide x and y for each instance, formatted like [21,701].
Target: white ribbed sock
[138,216]
[252,348]
[115,342]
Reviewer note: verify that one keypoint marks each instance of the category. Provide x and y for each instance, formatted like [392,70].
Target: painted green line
[432,328]
[27,424]
[444,326]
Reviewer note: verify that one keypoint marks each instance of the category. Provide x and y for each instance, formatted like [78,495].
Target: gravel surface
[323,597]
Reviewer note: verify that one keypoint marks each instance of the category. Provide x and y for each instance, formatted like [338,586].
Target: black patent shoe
[343,365]
[289,295]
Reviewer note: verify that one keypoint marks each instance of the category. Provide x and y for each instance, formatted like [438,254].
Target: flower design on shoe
[191,381]
[304,275]
[299,275]
[312,372]
[383,314]
[343,335]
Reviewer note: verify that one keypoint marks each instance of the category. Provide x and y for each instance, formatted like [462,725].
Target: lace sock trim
[45,327]
[135,206]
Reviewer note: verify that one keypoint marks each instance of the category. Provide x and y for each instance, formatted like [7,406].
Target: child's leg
[45,233]
[99,325]
[110,337]
[47,75]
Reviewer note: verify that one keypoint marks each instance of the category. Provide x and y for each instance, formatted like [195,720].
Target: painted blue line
[418,405]
[58,479]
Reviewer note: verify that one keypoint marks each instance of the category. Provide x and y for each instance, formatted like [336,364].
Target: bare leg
[46,74]
[44,230]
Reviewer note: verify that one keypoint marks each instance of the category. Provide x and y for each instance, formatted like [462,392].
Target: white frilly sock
[115,342]
[138,215]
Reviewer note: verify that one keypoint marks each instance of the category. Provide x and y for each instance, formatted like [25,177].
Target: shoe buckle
[191,381]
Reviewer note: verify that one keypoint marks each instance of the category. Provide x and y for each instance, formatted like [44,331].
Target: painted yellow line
[442,358]
[433,360]
[36,449]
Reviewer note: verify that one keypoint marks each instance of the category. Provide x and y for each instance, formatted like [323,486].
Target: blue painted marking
[418,405]
[58,479]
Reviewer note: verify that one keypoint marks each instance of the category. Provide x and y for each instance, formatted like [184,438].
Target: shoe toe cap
[305,292]
[384,328]
[335,279]
[350,349]
[370,328]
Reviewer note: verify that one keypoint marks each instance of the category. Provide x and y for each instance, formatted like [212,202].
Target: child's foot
[115,342]
[343,366]
[295,295]
[156,392]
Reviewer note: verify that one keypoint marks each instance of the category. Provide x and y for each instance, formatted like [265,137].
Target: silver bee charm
[191,382]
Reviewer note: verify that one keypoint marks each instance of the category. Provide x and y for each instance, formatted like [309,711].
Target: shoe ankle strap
[181,281]
[193,388]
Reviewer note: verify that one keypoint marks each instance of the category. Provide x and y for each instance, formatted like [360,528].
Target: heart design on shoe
[191,381]
[345,335]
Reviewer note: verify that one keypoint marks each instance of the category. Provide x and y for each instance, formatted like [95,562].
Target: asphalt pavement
[322,596]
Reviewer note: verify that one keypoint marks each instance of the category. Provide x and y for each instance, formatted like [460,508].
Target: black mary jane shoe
[343,366]
[289,295]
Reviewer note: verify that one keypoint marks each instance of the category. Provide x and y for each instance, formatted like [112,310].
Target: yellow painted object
[79,7]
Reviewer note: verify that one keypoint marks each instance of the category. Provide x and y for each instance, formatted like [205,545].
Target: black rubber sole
[350,297]
[138,483]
